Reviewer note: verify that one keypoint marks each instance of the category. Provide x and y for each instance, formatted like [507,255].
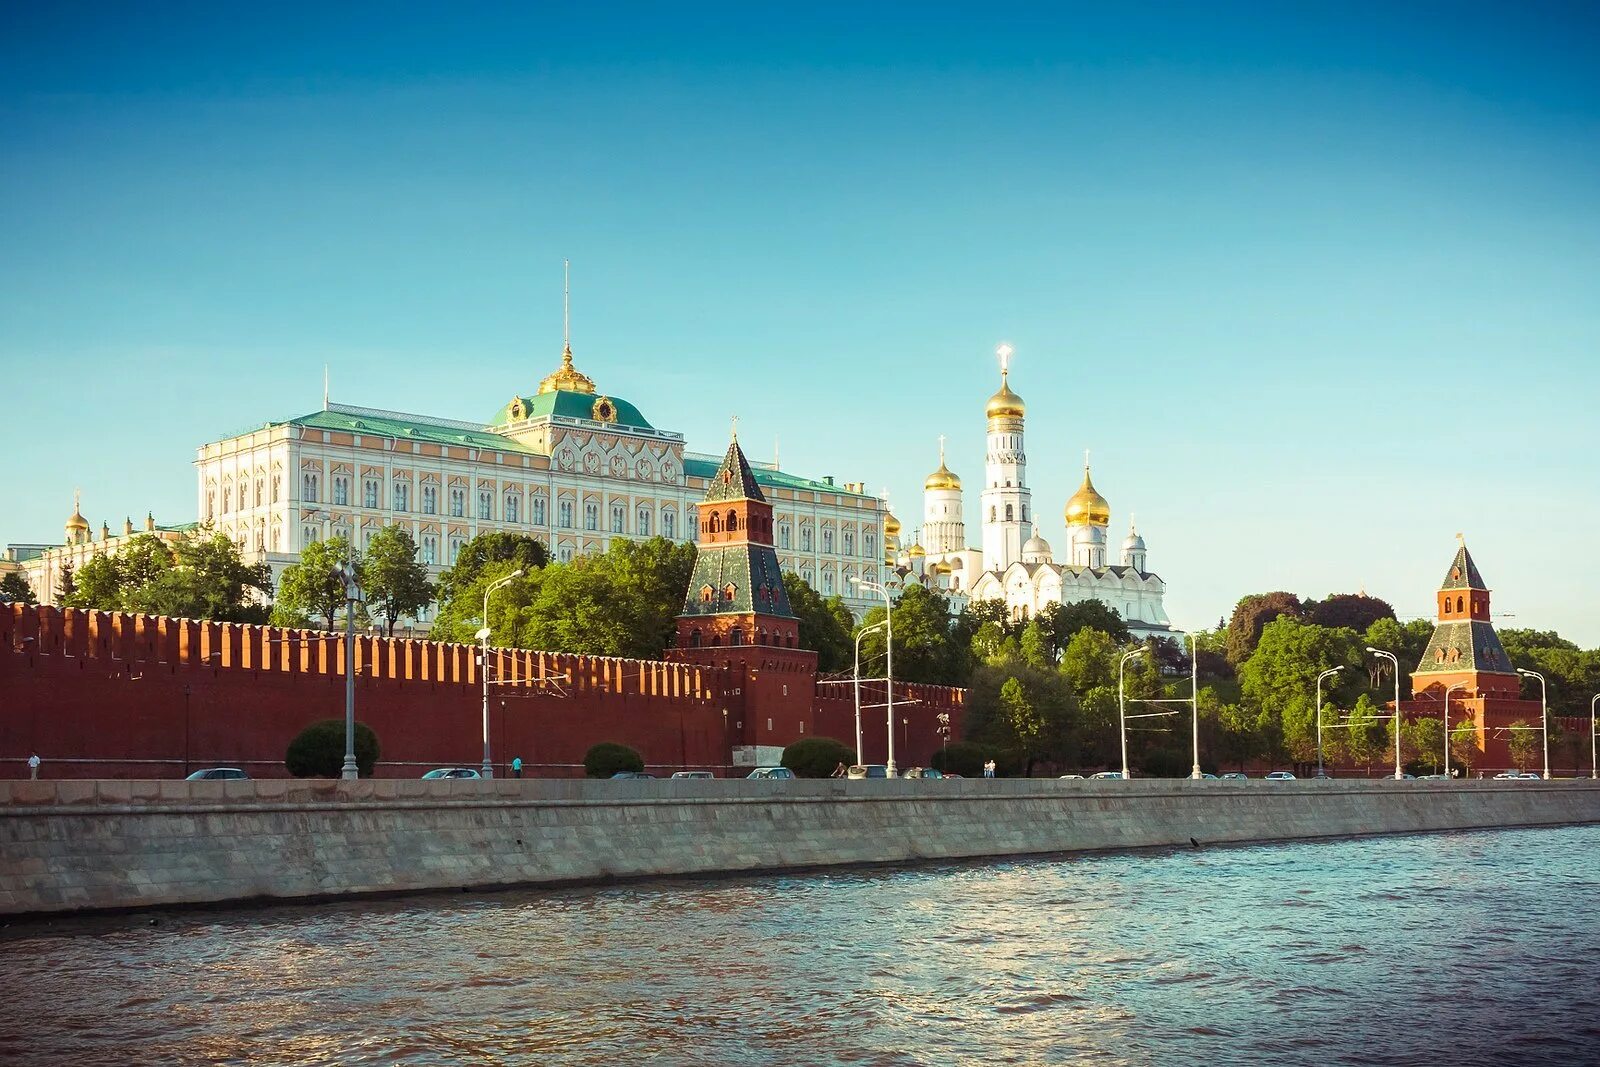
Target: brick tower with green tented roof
[1466,663]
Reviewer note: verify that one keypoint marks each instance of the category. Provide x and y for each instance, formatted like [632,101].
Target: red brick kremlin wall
[112,695]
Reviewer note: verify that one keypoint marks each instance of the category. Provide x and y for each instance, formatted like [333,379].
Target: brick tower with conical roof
[1466,664]
[736,615]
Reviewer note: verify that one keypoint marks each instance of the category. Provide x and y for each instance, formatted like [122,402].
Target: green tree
[15,588]
[141,564]
[965,758]
[1364,737]
[522,552]
[1353,611]
[318,750]
[1280,678]
[1524,743]
[923,649]
[609,757]
[1408,741]
[208,580]
[1572,676]
[66,585]
[1464,746]
[1251,616]
[394,579]
[1036,646]
[1089,660]
[1407,641]
[825,625]
[1426,741]
[622,602]
[1025,712]
[1062,621]
[817,757]
[310,588]
[96,586]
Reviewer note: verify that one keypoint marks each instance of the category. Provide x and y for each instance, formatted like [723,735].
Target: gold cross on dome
[735,427]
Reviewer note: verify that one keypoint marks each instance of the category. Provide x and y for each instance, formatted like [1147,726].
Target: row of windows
[241,493]
[994,514]
[1461,605]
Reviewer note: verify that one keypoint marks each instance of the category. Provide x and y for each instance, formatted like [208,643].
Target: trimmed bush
[817,757]
[608,757]
[318,750]
[965,758]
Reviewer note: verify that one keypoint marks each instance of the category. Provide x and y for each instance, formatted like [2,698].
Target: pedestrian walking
[988,768]
[516,767]
[33,765]
[840,771]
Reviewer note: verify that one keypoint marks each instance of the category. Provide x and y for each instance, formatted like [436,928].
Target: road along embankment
[88,845]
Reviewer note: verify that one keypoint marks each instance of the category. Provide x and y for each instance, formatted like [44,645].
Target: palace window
[455,550]
[619,518]
[1024,513]
[827,541]
[513,508]
[458,503]
[244,487]
[485,503]
[261,487]
[538,510]
[869,546]
[369,493]
[276,487]
[827,583]
[366,537]
[591,516]
[308,489]
[849,543]
[783,535]
[669,523]
[402,496]
[308,535]
[643,519]
[564,514]
[805,539]
[430,500]
[564,554]
[341,491]
[430,549]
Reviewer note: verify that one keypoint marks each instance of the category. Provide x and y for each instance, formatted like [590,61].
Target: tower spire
[1004,351]
[566,311]
[941,450]
[324,387]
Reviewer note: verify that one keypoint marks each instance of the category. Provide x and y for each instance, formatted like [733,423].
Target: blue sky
[1317,285]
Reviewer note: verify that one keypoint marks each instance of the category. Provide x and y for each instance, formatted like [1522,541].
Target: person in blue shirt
[516,767]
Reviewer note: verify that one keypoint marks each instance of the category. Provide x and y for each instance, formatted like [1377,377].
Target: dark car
[631,774]
[218,774]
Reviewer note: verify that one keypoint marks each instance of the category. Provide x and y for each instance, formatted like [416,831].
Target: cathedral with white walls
[1014,563]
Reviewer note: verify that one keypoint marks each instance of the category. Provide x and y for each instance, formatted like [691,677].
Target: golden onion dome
[567,377]
[917,552]
[891,525]
[1005,404]
[941,568]
[77,521]
[1087,507]
[943,478]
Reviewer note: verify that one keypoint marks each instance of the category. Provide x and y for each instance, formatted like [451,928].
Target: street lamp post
[1390,656]
[487,770]
[1453,687]
[1594,768]
[346,573]
[1122,708]
[1544,717]
[860,759]
[888,669]
[1194,699]
[944,732]
[1329,673]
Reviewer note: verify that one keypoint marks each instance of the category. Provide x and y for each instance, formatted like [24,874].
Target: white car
[771,772]
[1070,778]
[1107,774]
[1505,775]
[1280,776]
[692,774]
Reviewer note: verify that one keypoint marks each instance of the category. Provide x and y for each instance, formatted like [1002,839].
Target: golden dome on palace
[917,552]
[891,525]
[1005,404]
[1087,507]
[77,521]
[567,377]
[943,478]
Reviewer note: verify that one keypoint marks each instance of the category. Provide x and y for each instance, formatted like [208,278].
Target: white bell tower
[1007,505]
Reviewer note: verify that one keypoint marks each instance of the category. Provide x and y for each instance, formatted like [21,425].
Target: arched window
[733,521]
[736,636]
[694,638]
[728,592]
[991,514]
[1009,515]
[643,519]
[1461,604]
[716,523]
[706,594]
[669,523]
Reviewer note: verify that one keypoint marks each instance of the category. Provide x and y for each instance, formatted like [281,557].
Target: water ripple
[1467,947]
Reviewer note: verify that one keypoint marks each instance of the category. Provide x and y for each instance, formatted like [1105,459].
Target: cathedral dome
[1005,404]
[943,478]
[917,552]
[1036,550]
[77,521]
[941,568]
[1133,542]
[1087,507]
[891,525]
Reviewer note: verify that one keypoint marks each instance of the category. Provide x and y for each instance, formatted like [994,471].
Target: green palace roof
[568,404]
[405,428]
[766,477]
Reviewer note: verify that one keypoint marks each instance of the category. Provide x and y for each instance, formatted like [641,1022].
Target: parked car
[1204,777]
[1530,774]
[771,772]
[1107,774]
[1235,776]
[452,772]
[1433,778]
[867,770]
[218,774]
[631,774]
[692,774]
[1507,774]
[1280,776]
[921,772]
[1069,778]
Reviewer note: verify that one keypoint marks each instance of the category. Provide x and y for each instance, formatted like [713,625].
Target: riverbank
[96,845]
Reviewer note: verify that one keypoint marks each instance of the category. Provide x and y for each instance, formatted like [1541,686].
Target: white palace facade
[1012,562]
[566,464]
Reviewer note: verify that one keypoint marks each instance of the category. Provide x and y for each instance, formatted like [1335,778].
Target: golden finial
[567,376]
[735,427]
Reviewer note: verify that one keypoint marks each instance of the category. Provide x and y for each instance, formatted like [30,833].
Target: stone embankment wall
[68,846]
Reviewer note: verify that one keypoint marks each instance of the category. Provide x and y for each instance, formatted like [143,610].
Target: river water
[1479,947]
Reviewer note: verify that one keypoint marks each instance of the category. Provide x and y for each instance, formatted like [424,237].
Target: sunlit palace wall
[105,694]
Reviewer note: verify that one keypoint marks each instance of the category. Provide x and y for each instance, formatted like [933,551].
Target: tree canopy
[394,580]
[14,587]
[825,625]
[310,588]
[1250,617]
[201,576]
